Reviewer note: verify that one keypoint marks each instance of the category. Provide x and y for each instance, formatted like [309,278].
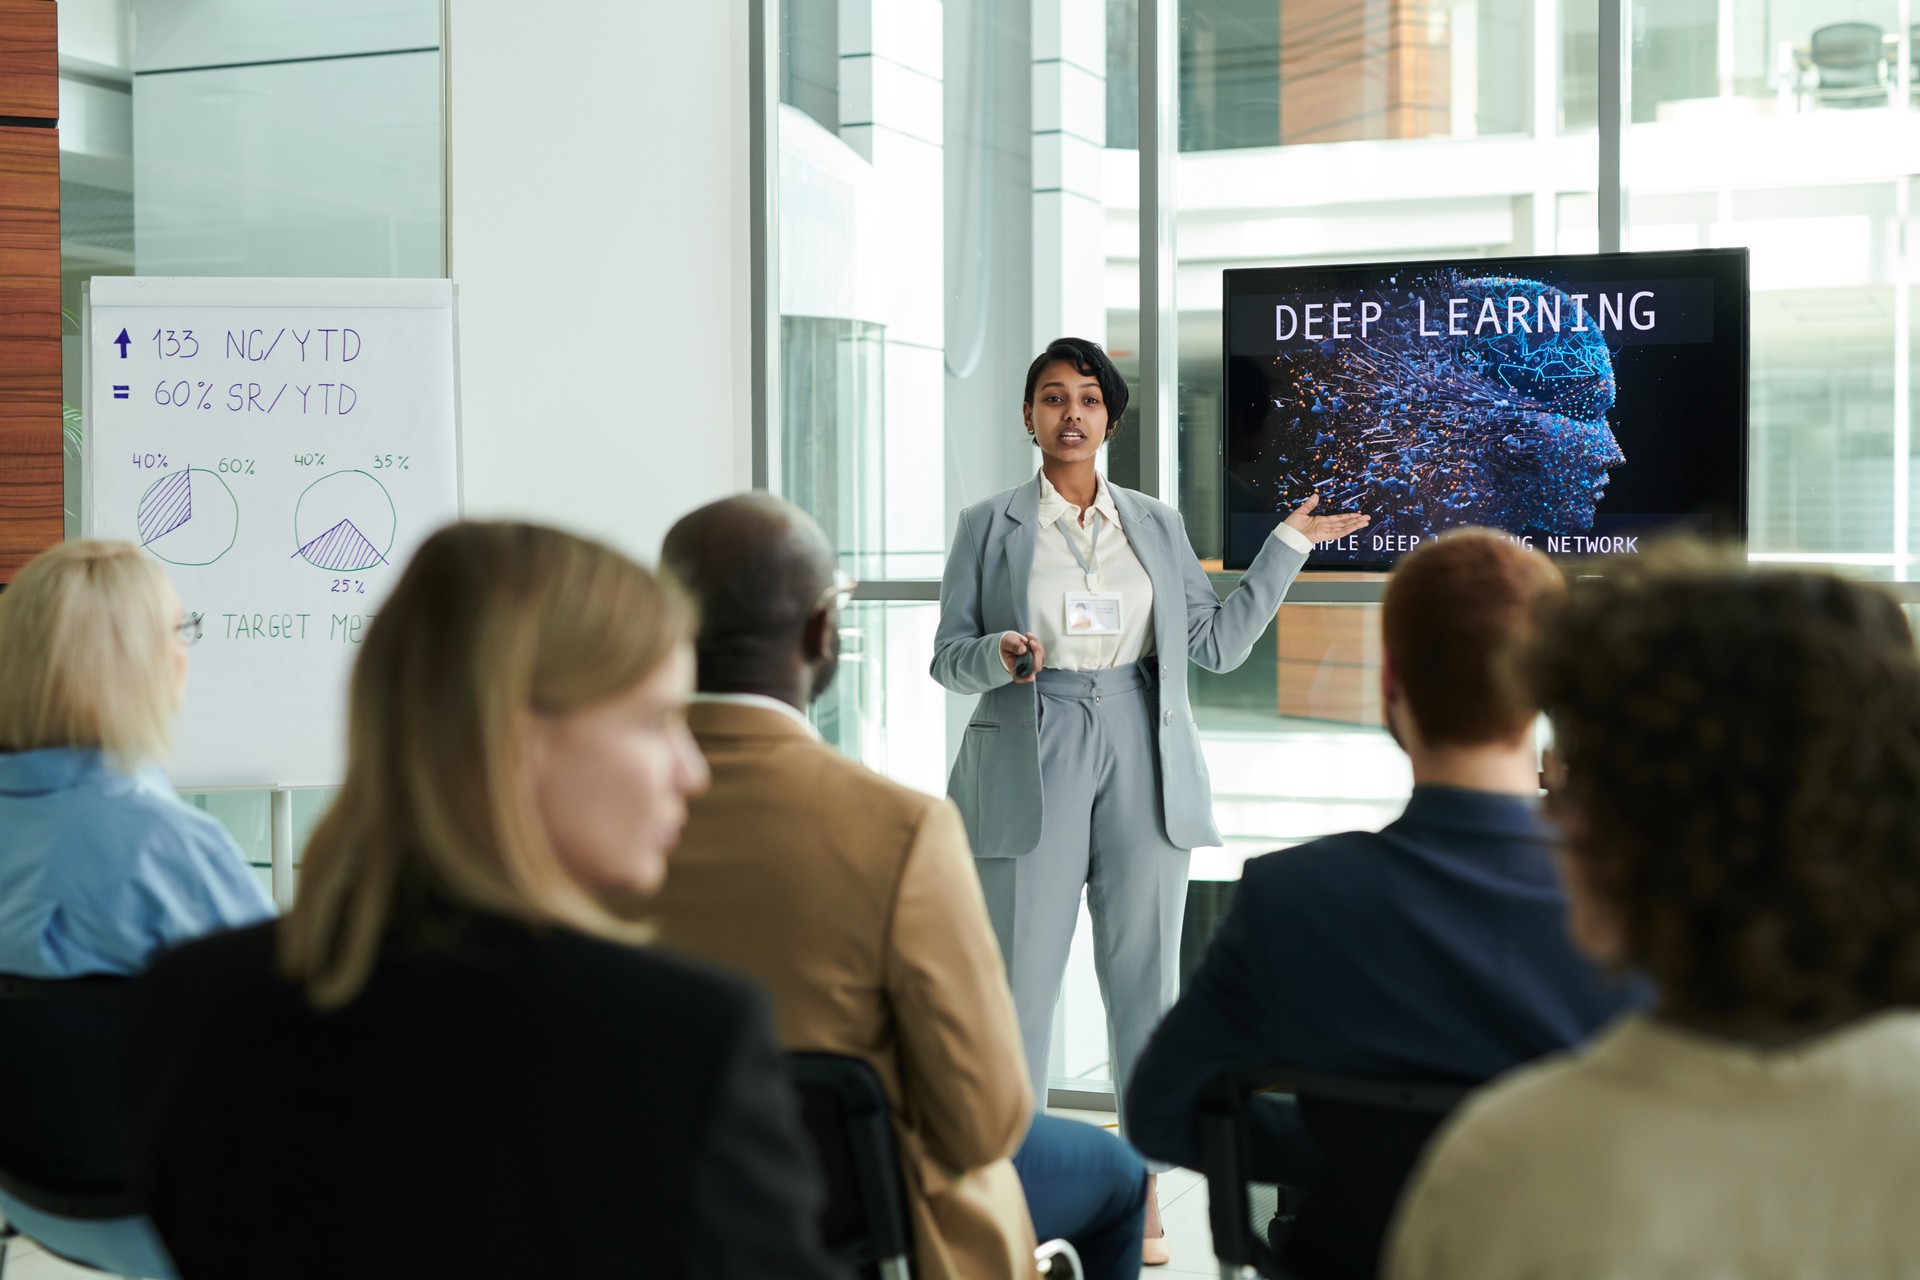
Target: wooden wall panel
[1329,656]
[29,59]
[1330,662]
[31,486]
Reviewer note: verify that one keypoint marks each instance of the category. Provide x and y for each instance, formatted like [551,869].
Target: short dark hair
[1742,790]
[758,567]
[1456,619]
[1091,361]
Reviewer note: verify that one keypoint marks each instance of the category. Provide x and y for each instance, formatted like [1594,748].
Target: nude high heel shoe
[1153,1247]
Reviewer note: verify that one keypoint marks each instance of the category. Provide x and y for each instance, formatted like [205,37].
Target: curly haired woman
[1741,804]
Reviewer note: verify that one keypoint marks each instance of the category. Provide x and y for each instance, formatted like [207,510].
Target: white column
[1545,232]
[604,318]
[1069,135]
[892,112]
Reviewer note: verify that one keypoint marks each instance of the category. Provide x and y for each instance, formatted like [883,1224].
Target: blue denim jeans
[1085,1185]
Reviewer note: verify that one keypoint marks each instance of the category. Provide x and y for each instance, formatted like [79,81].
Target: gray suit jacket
[996,780]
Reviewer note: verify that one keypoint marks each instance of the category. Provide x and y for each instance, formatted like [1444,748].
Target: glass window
[882,708]
[941,215]
[1773,124]
[1255,74]
[938,212]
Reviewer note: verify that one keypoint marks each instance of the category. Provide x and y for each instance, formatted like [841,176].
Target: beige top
[1656,1153]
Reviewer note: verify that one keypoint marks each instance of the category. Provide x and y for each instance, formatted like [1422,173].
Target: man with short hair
[1434,948]
[854,901]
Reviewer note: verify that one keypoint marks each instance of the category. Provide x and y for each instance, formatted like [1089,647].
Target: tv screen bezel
[1244,280]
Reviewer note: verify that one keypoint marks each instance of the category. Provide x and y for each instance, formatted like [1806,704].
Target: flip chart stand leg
[282,848]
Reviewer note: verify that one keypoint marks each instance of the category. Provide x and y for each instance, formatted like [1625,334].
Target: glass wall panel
[882,708]
[1579,65]
[1778,126]
[308,168]
[1255,73]
[941,197]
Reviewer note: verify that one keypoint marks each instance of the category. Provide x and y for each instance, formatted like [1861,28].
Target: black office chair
[844,1109]
[1849,65]
[61,1132]
[864,1224]
[1371,1133]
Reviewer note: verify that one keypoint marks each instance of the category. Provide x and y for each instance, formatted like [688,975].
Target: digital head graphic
[1476,400]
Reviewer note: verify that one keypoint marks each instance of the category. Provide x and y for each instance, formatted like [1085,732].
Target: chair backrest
[1370,1131]
[62,1136]
[1847,46]
[844,1109]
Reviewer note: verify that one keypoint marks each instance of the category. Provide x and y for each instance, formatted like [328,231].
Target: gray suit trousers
[1099,765]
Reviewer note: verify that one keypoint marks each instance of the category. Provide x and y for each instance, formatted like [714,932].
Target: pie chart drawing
[344,523]
[188,517]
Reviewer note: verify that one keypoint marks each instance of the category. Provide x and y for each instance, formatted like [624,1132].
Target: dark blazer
[1434,949]
[510,1103]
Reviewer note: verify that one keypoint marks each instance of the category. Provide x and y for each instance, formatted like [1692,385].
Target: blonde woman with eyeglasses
[452,1053]
[102,865]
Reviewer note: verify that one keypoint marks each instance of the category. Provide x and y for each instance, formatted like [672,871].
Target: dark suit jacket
[510,1103]
[1435,948]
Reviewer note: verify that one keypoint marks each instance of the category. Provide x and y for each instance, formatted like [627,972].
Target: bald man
[854,901]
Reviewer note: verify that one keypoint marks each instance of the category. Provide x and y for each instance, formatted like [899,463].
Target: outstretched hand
[1325,528]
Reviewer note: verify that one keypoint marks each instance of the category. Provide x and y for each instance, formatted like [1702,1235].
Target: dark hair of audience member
[1741,791]
[1456,620]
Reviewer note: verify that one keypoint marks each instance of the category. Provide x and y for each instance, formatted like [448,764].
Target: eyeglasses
[190,629]
[844,585]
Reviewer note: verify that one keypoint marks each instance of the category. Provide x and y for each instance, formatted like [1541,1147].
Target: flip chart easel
[281,447]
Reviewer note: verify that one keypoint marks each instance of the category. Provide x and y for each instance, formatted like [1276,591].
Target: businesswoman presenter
[1088,772]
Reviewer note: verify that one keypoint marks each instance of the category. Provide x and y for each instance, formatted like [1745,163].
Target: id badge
[1093,613]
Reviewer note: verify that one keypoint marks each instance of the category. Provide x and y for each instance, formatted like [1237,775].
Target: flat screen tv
[1582,404]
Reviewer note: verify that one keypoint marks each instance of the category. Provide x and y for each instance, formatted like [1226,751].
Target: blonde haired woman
[451,1053]
[101,865]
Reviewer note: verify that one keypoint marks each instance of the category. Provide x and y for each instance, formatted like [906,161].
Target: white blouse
[1056,572]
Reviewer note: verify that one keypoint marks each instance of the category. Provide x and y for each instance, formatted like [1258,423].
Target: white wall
[597,230]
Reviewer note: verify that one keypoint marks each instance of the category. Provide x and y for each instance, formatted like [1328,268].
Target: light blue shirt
[102,870]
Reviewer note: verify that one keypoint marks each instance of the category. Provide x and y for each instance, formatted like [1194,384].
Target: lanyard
[1090,568]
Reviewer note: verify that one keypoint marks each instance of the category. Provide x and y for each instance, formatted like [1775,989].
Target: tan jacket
[854,901]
